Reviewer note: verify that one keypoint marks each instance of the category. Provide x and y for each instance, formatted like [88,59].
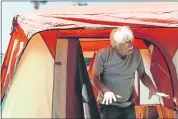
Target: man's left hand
[159,94]
[162,95]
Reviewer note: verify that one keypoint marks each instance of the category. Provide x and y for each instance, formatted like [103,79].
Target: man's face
[125,48]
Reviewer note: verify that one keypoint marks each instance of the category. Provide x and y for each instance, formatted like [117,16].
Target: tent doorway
[155,66]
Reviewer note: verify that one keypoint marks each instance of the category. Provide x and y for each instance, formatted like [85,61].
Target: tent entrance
[155,66]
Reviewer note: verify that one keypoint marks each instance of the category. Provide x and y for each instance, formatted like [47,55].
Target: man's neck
[121,55]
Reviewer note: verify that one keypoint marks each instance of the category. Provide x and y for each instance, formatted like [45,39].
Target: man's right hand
[109,97]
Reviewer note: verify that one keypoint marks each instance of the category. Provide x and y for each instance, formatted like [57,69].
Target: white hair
[121,35]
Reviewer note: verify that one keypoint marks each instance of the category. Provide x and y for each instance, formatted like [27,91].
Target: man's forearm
[148,83]
[99,84]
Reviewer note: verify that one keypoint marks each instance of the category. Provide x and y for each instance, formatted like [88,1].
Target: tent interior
[32,81]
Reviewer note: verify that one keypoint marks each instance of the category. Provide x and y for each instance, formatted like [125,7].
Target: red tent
[92,25]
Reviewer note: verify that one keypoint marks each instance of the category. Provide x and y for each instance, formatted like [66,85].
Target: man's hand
[162,95]
[148,83]
[109,97]
[158,93]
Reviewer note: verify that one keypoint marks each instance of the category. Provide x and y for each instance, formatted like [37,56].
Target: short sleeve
[98,63]
[141,68]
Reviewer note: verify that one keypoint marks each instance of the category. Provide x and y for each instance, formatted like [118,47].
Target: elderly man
[114,74]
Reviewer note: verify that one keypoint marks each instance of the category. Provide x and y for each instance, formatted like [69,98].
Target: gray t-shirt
[118,74]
